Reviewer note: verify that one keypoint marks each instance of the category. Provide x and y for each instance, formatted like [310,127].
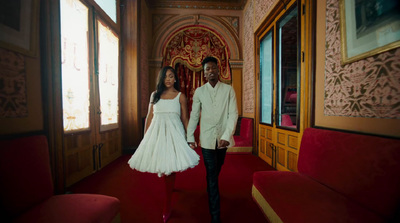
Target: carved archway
[190,45]
[164,27]
[169,24]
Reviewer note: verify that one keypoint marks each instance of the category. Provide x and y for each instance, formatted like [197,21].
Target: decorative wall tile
[366,88]
[248,58]
[13,98]
[261,7]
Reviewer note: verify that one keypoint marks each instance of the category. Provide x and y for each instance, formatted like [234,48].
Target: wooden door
[90,88]
[108,96]
[281,85]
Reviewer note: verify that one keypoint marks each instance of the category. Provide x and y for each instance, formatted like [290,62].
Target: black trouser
[213,160]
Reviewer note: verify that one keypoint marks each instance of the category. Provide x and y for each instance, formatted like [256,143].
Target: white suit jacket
[219,115]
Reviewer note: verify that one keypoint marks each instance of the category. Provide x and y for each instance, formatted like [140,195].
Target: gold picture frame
[368,28]
[19,26]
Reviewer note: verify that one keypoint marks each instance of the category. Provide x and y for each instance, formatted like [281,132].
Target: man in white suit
[216,102]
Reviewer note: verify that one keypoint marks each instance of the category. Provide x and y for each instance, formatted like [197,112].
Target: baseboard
[240,150]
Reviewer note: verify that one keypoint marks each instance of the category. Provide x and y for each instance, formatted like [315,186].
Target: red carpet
[141,194]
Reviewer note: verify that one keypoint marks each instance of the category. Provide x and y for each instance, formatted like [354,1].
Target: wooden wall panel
[131,120]
[292,161]
[293,141]
[281,155]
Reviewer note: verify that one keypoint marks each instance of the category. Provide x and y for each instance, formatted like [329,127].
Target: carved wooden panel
[292,161]
[292,141]
[281,138]
[109,147]
[79,161]
[262,146]
[263,132]
[269,134]
[281,156]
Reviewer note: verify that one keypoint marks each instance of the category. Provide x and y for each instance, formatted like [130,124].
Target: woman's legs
[169,187]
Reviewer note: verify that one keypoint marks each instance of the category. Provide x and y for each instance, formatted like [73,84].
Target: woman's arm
[184,111]
[149,115]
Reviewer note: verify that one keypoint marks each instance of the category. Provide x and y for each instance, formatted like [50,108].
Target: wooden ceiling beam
[208,4]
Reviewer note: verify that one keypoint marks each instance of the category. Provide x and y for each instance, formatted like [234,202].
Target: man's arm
[194,118]
[232,116]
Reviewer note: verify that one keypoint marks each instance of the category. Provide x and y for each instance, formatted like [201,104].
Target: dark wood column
[131,121]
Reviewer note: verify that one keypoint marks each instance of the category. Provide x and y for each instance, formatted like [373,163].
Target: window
[90,66]
[266,80]
[280,71]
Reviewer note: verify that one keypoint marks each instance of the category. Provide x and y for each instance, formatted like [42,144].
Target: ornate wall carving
[190,45]
[218,25]
[233,21]
[366,88]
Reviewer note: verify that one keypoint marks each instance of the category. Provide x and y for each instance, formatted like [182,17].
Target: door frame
[279,147]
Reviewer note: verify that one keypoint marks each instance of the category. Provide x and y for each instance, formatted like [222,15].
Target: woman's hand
[192,145]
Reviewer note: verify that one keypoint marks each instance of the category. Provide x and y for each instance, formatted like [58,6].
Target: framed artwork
[344,96]
[368,27]
[19,26]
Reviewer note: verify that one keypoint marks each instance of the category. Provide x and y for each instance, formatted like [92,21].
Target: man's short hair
[209,59]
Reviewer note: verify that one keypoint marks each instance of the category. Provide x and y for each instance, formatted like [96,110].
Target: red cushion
[242,142]
[82,208]
[25,176]
[246,128]
[245,139]
[296,198]
[364,168]
[287,121]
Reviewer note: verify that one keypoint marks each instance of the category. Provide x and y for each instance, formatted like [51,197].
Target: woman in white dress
[164,149]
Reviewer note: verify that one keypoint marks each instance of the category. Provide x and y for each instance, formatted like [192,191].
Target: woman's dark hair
[160,82]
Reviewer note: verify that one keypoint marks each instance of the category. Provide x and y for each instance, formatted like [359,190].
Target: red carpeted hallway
[141,194]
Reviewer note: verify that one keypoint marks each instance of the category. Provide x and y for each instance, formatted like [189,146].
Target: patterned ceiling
[205,4]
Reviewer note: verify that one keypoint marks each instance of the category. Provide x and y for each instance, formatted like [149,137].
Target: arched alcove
[191,44]
[173,23]
[224,28]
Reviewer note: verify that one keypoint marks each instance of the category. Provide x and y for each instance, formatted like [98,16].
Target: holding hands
[192,145]
[222,144]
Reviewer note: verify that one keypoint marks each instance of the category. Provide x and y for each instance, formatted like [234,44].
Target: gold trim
[116,219]
[343,35]
[264,206]
[240,149]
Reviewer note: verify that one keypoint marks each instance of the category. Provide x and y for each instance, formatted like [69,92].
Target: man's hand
[192,145]
[223,144]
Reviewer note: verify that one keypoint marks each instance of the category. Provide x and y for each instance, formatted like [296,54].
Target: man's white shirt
[218,110]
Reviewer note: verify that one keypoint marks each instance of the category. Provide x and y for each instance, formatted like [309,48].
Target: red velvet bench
[342,177]
[26,189]
[243,141]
